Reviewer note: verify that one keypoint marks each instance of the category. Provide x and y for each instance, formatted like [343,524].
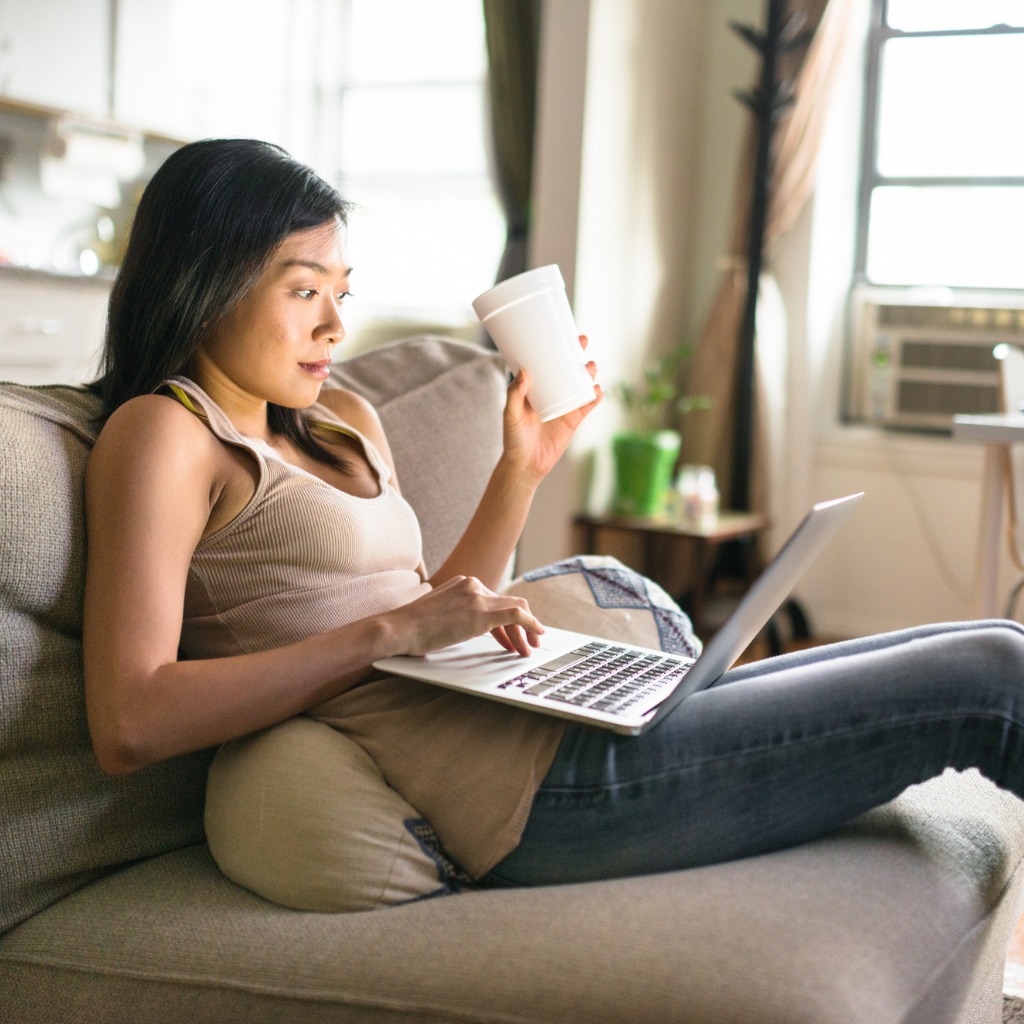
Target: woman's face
[277,343]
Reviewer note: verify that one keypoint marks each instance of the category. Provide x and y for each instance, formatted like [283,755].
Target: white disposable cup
[529,319]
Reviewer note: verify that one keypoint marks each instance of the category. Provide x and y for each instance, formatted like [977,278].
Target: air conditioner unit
[918,361]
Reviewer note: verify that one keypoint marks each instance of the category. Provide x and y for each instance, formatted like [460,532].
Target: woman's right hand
[462,608]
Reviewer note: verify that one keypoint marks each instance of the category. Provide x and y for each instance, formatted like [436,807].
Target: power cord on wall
[1011,604]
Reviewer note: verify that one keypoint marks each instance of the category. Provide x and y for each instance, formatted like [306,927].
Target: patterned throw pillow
[598,594]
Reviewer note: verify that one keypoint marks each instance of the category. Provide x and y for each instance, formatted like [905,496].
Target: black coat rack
[770,101]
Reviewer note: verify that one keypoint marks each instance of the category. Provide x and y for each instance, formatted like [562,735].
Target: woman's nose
[332,326]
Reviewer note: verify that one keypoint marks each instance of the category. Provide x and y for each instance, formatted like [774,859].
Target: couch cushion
[62,821]
[440,402]
[300,814]
[598,594]
[895,920]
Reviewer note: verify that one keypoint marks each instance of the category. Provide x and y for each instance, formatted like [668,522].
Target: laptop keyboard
[602,676]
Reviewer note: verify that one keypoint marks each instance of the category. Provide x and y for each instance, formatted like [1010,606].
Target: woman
[250,555]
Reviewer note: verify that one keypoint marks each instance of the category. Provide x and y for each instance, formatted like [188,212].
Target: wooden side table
[703,541]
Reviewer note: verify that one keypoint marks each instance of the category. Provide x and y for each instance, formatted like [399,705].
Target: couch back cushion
[62,821]
[440,402]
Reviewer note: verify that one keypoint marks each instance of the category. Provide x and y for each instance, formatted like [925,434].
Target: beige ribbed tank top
[303,557]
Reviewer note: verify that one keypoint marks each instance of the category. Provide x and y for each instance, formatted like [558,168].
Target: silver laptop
[615,685]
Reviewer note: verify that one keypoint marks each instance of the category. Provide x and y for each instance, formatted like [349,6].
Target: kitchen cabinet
[51,327]
[57,54]
[184,69]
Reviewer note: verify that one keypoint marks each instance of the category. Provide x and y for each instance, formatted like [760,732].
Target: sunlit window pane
[413,130]
[936,15]
[960,237]
[430,249]
[943,108]
[410,142]
[417,40]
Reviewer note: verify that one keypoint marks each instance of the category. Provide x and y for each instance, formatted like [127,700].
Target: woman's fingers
[463,607]
[516,639]
[518,390]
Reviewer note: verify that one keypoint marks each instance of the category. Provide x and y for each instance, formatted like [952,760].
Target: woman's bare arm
[153,481]
[530,450]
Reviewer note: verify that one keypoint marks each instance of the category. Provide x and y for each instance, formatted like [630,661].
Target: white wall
[659,117]
[639,88]
[729,64]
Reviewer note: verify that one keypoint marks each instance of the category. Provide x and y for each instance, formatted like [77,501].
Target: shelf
[726,526]
[25,108]
[16,272]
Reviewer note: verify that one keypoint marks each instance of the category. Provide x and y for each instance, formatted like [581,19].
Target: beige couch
[112,910]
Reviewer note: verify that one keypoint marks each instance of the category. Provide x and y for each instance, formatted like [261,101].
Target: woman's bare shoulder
[351,408]
[148,416]
[154,427]
[356,411]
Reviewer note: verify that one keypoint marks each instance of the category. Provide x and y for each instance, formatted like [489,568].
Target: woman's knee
[1004,640]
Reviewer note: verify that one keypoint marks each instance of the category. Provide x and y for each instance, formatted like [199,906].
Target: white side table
[997,432]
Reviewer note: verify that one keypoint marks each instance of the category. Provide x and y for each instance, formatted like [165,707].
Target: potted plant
[645,454]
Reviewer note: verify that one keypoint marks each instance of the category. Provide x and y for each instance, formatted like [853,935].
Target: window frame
[879,33]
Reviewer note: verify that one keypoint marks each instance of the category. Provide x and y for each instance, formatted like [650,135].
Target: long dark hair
[206,227]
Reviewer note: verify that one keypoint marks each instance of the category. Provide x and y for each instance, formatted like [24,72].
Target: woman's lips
[321,369]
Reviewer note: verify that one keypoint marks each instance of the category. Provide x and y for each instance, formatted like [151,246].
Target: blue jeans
[778,752]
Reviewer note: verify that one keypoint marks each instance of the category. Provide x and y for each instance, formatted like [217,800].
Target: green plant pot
[643,471]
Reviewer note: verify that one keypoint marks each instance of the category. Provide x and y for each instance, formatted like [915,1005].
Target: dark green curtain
[513,41]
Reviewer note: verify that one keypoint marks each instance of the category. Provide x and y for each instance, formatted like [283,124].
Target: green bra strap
[335,428]
[182,397]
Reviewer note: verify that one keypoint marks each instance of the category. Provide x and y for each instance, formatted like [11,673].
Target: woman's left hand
[535,446]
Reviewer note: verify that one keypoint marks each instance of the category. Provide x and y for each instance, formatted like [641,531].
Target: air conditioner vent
[931,399]
[974,318]
[916,365]
[944,355]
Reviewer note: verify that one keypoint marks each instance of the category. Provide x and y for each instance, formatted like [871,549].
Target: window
[942,199]
[409,137]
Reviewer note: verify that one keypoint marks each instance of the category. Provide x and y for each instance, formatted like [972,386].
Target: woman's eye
[306,293]
[342,296]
